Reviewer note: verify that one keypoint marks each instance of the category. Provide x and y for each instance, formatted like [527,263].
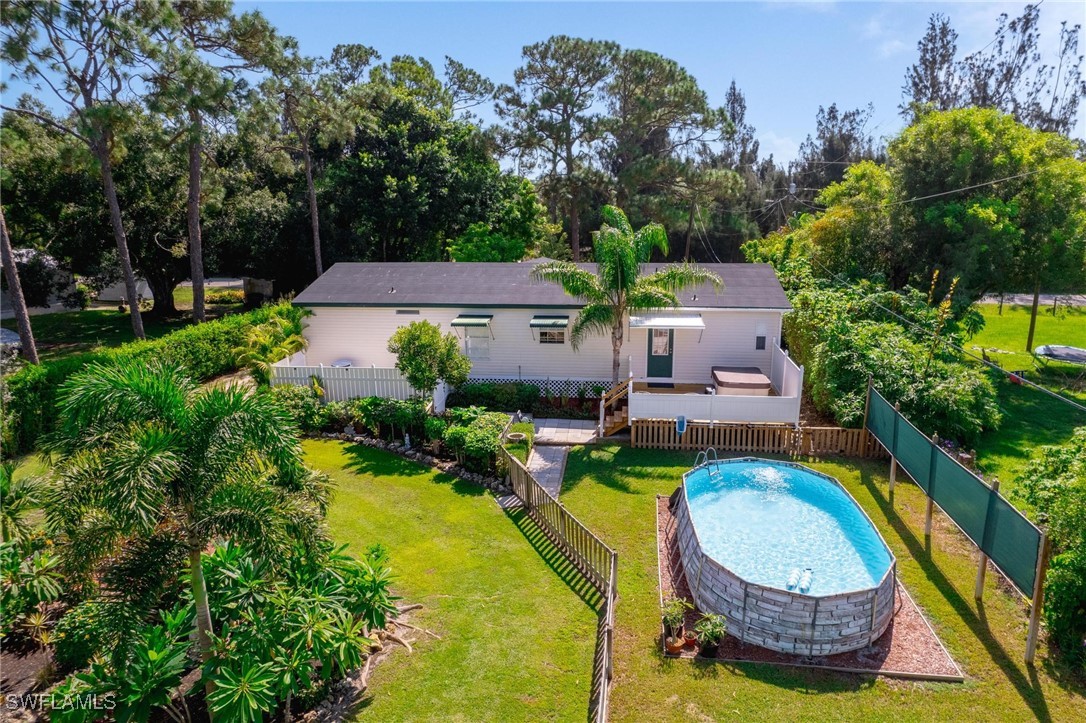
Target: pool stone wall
[781,620]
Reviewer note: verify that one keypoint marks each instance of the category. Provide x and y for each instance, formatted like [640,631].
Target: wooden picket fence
[589,555]
[761,438]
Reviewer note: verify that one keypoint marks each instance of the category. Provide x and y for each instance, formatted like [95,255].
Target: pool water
[763,520]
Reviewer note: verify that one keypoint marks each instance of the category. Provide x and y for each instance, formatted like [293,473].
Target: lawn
[1030,418]
[612,490]
[71,332]
[517,640]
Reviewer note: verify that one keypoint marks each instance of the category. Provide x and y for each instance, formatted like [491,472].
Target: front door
[661,352]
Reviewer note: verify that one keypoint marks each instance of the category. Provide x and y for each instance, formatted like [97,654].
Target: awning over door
[549,322]
[472,320]
[667,321]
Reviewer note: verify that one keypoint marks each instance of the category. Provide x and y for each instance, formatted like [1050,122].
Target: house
[716,358]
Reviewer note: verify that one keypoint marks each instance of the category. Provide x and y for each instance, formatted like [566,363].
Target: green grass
[1030,418]
[517,638]
[71,332]
[612,490]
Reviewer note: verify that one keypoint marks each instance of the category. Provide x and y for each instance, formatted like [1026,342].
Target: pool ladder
[706,456]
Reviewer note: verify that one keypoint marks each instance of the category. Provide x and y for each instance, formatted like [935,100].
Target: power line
[1000,34]
[967,353]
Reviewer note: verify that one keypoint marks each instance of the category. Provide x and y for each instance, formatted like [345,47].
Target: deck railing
[764,438]
[589,555]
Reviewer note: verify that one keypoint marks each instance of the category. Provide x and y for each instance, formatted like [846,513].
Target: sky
[788,58]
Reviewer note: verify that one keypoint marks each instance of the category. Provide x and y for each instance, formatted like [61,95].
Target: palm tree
[17,498]
[140,448]
[618,286]
[267,343]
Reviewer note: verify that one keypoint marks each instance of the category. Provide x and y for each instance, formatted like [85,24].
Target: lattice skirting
[556,387]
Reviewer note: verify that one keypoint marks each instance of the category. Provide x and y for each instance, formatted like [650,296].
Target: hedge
[204,350]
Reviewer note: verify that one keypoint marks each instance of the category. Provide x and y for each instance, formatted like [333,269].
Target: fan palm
[618,286]
[140,449]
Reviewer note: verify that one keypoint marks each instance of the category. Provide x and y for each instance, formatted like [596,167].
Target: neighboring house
[514,328]
[117,292]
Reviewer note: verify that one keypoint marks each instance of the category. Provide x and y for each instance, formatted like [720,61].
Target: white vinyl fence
[340,384]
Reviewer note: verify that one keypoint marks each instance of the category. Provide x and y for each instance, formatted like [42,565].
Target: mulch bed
[908,649]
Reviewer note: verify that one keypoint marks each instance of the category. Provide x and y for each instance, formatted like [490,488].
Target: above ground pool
[785,554]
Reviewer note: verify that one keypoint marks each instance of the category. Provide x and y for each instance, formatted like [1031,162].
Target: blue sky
[787,57]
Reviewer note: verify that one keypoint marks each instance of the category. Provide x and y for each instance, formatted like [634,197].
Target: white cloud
[783,148]
[893,46]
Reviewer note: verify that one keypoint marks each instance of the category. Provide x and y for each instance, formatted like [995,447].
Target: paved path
[1027,299]
[547,464]
[566,432]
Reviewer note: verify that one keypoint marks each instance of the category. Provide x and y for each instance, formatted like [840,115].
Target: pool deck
[908,649]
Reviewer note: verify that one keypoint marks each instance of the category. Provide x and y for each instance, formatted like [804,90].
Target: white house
[716,358]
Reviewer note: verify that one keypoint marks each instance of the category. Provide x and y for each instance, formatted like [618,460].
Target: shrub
[225,296]
[463,415]
[389,418]
[502,397]
[303,404]
[435,428]
[204,350]
[92,628]
[476,443]
[1054,484]
[1065,604]
[337,415]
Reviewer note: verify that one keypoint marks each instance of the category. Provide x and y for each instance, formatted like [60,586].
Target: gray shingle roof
[509,285]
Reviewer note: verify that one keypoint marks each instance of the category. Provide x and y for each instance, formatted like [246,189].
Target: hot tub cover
[1071,354]
[741,378]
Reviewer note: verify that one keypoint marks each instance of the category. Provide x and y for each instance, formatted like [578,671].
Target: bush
[389,418]
[1065,604]
[337,415]
[503,397]
[476,443]
[435,428]
[92,628]
[425,357]
[204,350]
[303,404]
[225,296]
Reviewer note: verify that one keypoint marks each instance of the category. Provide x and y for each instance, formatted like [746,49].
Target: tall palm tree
[618,285]
[140,448]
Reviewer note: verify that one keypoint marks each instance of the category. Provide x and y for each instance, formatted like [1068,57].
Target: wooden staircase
[615,403]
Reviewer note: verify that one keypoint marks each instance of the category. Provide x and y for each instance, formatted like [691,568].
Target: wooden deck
[682,388]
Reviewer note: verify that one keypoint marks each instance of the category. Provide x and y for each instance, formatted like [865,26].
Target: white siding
[728,340]
[361,335]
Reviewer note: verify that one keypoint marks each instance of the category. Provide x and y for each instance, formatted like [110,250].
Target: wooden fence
[762,438]
[340,384]
[589,555]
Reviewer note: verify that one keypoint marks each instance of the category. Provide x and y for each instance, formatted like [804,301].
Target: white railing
[714,407]
[340,384]
[787,380]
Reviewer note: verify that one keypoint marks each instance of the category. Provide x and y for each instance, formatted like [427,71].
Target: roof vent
[392,289]
[695,297]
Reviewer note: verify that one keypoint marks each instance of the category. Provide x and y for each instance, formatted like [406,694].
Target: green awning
[473,320]
[549,322]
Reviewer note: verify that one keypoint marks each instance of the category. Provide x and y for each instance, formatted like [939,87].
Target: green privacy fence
[1001,532]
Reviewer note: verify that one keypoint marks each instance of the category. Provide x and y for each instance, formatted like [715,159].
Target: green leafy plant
[243,691]
[435,428]
[266,343]
[424,356]
[17,498]
[302,404]
[1065,605]
[711,629]
[674,612]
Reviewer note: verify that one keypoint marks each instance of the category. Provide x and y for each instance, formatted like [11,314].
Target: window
[759,343]
[552,336]
[408,312]
[477,343]
[661,342]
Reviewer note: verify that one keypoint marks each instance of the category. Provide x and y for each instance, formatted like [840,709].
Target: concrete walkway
[548,464]
[565,432]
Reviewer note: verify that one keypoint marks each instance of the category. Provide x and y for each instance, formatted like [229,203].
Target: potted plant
[674,645]
[710,630]
[690,638]
[674,614]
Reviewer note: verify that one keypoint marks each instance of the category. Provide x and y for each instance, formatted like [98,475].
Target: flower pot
[690,638]
[709,650]
[674,646]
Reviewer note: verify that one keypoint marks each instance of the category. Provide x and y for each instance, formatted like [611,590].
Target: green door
[661,352]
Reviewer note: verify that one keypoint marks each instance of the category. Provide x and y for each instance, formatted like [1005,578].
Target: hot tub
[746,526]
[741,381]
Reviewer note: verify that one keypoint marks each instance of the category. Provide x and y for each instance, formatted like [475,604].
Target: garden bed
[908,649]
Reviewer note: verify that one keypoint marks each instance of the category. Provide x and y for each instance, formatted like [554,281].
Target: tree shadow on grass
[554,558]
[1024,682]
[372,462]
